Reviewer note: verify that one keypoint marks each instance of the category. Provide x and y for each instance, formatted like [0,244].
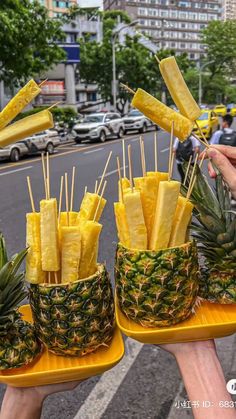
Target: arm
[203,378]
[27,403]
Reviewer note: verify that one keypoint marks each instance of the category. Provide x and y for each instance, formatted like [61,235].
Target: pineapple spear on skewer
[73,215]
[160,176]
[120,215]
[123,183]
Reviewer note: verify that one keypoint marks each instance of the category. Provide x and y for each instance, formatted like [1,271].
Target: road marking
[16,170]
[93,151]
[165,149]
[135,139]
[112,172]
[104,391]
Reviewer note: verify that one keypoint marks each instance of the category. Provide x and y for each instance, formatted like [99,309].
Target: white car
[135,120]
[99,126]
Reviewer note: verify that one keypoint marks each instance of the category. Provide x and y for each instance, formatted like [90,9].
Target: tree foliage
[28,40]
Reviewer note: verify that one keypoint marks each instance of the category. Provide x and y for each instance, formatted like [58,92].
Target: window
[61,4]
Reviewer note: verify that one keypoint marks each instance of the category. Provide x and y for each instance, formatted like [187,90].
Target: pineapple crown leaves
[12,290]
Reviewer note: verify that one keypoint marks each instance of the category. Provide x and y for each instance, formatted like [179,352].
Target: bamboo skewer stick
[56,278]
[30,194]
[141,154]
[155,152]
[191,179]
[203,136]
[53,106]
[187,171]
[44,176]
[124,158]
[104,172]
[49,277]
[100,199]
[127,88]
[96,187]
[202,160]
[144,159]
[120,179]
[172,165]
[67,199]
[171,150]
[60,198]
[130,168]
[156,57]
[85,190]
[48,177]
[199,139]
[72,189]
[43,82]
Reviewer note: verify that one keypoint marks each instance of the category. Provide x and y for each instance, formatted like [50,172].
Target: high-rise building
[229,9]
[57,7]
[172,24]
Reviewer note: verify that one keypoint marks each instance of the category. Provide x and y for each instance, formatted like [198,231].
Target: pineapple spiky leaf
[3,252]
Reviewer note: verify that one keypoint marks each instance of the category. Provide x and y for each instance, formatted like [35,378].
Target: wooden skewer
[43,82]
[127,88]
[141,154]
[156,57]
[100,199]
[172,165]
[199,139]
[44,176]
[49,277]
[30,194]
[96,187]
[48,177]
[171,149]
[72,189]
[104,172]
[144,159]
[67,199]
[202,160]
[56,278]
[124,158]
[187,171]
[85,190]
[60,198]
[120,179]
[192,178]
[130,168]
[155,151]
[203,136]
[53,106]
[192,186]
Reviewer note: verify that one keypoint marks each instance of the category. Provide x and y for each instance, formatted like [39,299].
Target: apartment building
[172,24]
[229,9]
[58,7]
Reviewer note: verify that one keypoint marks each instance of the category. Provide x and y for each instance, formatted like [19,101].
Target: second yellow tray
[210,321]
[52,369]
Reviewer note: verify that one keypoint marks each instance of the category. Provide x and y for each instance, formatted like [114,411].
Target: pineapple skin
[77,318]
[49,235]
[70,253]
[121,224]
[135,220]
[34,273]
[157,289]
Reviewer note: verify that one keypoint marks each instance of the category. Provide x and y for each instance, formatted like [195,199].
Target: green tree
[28,40]
[135,65]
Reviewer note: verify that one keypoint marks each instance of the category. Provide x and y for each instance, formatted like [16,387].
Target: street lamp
[200,81]
[115,33]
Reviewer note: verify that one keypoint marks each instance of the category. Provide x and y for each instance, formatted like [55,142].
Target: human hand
[224,158]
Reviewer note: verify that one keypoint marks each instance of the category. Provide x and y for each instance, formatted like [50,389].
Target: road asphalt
[147,383]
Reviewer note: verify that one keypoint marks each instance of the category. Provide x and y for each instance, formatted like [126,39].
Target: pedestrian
[183,151]
[226,135]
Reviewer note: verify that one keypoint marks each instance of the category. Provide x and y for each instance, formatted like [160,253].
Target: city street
[147,382]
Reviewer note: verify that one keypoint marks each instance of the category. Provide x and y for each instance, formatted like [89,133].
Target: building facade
[229,9]
[58,7]
[172,24]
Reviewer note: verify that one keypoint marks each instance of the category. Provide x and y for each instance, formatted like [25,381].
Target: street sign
[72,51]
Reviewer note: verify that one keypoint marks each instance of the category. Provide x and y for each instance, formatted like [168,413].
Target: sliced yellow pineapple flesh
[125,185]
[70,253]
[101,206]
[88,206]
[182,218]
[148,188]
[34,272]
[49,235]
[90,232]
[121,224]
[165,210]
[73,216]
[135,220]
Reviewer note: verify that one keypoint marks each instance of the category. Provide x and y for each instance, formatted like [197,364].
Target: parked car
[135,120]
[208,121]
[220,110]
[44,141]
[99,126]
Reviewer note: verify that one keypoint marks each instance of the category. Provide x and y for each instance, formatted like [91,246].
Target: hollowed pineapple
[76,318]
[157,288]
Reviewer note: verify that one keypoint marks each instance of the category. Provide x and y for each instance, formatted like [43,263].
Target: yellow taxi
[233,111]
[208,121]
[220,110]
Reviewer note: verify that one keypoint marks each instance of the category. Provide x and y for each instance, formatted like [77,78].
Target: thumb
[225,167]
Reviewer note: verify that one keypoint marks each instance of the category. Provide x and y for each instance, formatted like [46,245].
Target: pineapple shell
[157,288]
[76,318]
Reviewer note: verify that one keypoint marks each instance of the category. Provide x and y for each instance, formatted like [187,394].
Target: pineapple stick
[26,127]
[34,273]
[120,216]
[134,214]
[168,194]
[159,176]
[101,204]
[178,89]
[70,217]
[90,232]
[182,218]
[18,103]
[70,253]
[123,183]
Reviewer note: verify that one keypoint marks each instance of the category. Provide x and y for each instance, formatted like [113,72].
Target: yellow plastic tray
[52,369]
[210,321]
